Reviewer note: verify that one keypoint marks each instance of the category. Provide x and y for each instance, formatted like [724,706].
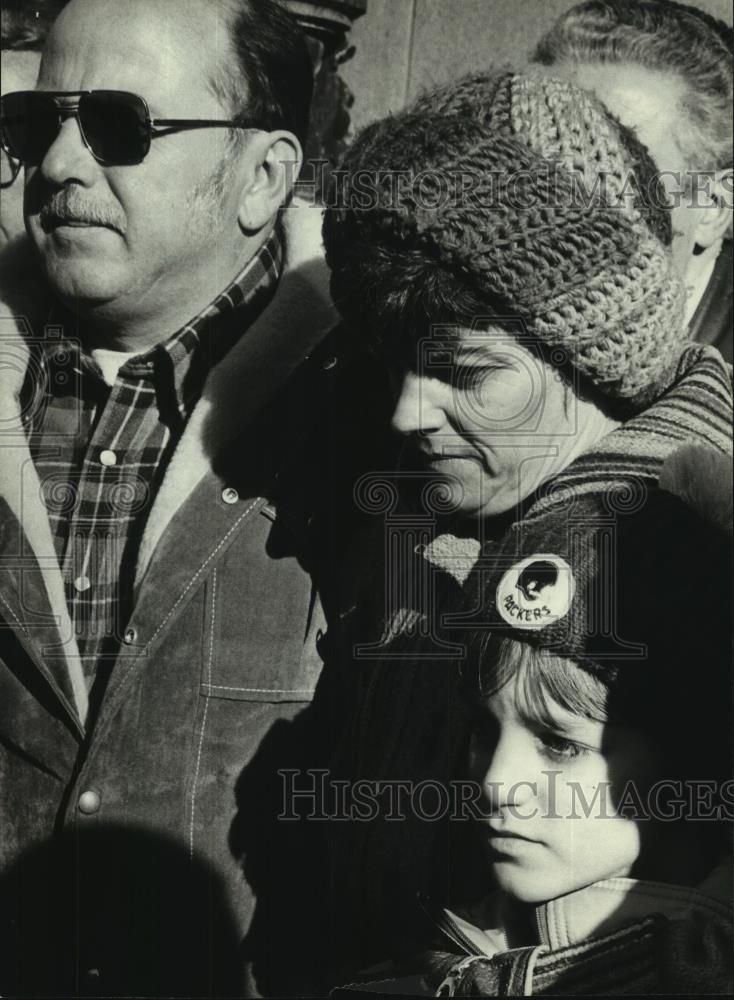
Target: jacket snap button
[89,802]
[130,636]
[230,495]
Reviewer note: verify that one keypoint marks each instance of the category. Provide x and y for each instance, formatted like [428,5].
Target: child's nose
[510,778]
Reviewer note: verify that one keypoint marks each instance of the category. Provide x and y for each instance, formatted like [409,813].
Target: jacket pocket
[262,625]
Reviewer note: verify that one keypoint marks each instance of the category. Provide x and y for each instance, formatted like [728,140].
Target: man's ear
[715,217]
[275,160]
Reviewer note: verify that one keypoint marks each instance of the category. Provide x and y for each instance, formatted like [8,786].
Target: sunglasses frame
[156,127]
[15,168]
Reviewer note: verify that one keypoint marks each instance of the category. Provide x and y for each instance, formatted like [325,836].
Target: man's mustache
[71,206]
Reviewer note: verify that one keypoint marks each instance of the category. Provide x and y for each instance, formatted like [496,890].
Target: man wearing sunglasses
[156,561]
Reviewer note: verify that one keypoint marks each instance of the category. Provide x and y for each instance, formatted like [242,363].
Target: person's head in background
[665,70]
[24,25]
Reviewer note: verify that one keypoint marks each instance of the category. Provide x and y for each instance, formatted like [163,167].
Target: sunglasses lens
[115,126]
[30,123]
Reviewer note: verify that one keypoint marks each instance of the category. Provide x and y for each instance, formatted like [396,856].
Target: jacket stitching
[223,687]
[209,659]
[20,624]
[201,569]
[532,960]
[591,950]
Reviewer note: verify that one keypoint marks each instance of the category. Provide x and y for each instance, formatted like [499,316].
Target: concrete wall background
[405,46]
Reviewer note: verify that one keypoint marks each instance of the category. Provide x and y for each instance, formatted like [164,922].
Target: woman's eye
[472,376]
[559,748]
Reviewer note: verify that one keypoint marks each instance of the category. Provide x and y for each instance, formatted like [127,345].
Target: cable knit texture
[545,205]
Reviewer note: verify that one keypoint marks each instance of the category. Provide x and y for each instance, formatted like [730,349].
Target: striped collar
[600,909]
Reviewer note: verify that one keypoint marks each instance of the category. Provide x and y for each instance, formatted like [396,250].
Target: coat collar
[605,907]
[288,329]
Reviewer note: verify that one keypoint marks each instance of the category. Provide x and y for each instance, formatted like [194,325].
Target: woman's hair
[397,292]
[661,36]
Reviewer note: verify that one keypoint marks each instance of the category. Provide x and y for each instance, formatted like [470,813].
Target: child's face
[549,795]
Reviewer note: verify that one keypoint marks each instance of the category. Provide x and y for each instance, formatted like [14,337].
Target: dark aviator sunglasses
[115,125]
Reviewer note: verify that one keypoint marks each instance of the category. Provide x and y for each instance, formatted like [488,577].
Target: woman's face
[550,794]
[489,417]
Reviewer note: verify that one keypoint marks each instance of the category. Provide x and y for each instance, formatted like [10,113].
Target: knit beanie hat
[633,586]
[531,194]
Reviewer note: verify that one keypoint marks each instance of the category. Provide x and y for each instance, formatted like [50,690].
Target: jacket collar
[288,329]
[606,906]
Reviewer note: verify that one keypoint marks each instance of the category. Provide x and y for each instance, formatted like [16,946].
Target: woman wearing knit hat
[505,244]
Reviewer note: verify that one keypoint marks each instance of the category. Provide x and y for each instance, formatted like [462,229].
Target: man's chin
[83,280]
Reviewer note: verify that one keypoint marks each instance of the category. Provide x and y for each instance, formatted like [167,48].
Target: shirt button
[130,636]
[330,363]
[108,457]
[230,495]
[82,583]
[89,802]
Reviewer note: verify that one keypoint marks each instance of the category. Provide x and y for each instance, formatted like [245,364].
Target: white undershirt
[110,362]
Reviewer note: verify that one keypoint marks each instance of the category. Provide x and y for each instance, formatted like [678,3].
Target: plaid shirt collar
[179,366]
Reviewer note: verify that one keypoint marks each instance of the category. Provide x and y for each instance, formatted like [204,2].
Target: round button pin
[536,592]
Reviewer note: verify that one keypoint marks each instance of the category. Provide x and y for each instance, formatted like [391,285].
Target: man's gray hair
[269,76]
[665,36]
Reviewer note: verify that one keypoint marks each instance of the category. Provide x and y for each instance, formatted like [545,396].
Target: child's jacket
[617,937]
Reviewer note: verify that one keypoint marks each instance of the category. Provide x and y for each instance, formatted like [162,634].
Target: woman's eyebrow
[483,355]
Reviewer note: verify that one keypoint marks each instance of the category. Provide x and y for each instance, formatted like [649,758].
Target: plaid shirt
[101,451]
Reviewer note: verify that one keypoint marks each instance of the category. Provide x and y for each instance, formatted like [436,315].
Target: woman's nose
[420,408]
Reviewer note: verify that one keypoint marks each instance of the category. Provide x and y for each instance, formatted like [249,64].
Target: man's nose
[420,408]
[68,160]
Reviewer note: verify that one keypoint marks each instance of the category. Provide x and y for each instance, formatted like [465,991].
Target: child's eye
[558,748]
